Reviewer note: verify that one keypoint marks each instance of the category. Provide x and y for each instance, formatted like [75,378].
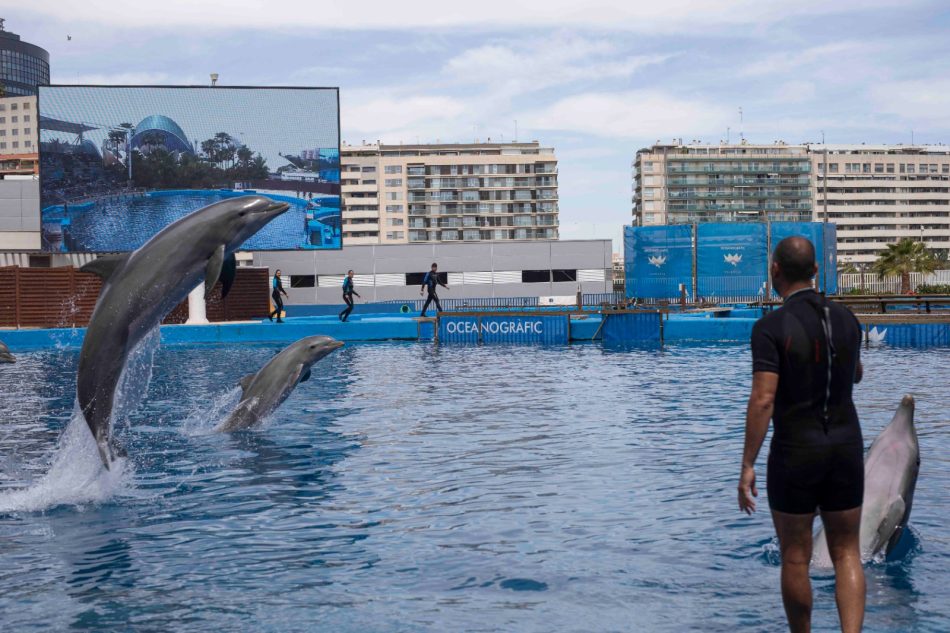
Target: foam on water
[203,419]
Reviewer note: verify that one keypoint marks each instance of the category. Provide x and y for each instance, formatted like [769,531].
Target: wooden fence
[66,297]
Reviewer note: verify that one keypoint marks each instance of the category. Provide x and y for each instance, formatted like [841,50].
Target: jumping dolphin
[264,391]
[5,355]
[890,476]
[141,287]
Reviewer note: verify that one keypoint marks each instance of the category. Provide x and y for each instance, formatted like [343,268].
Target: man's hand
[420,292]
[747,490]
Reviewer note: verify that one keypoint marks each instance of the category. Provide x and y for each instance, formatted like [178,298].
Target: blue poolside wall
[542,327]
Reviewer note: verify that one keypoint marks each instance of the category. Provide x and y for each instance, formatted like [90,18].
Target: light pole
[824,226]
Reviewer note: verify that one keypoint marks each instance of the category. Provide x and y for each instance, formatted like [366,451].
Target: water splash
[75,477]
[204,419]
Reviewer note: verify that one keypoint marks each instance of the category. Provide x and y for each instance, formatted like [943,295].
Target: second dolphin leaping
[263,392]
[890,477]
[141,287]
[5,355]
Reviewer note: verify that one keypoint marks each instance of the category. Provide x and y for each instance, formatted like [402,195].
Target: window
[394,182]
[3,132]
[13,106]
[26,118]
[903,168]
[303,281]
[648,218]
[368,169]
[832,168]
[564,275]
[16,144]
[649,206]
[14,119]
[27,143]
[393,169]
[648,194]
[415,279]
[910,168]
[534,276]
[16,132]
[396,222]
[946,169]
[368,182]
[647,165]
[26,130]
[890,168]
[396,235]
[3,119]
[394,195]
[866,168]
[394,208]
[878,168]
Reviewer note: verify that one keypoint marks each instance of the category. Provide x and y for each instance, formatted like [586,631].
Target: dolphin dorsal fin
[245,382]
[104,266]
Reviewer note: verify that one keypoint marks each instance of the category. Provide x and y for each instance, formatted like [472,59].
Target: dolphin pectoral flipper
[213,270]
[104,266]
[305,377]
[228,273]
[890,522]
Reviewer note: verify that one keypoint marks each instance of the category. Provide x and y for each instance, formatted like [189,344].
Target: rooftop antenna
[728,130]
[741,125]
[516,131]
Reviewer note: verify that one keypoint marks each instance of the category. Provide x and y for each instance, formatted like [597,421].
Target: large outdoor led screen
[119,163]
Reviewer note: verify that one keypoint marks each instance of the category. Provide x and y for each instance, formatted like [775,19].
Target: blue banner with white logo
[516,328]
[657,259]
[819,234]
[731,260]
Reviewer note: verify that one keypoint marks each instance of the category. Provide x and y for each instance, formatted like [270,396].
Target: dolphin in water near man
[140,288]
[890,477]
[266,390]
[5,355]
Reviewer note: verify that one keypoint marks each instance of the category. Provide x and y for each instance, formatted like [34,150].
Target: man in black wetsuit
[805,362]
[275,295]
[348,292]
[429,282]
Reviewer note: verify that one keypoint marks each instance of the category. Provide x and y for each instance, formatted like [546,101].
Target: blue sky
[597,80]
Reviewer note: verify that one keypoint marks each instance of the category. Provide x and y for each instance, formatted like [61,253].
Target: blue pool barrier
[632,327]
[513,328]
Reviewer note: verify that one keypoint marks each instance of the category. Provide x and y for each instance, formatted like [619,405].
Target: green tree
[904,258]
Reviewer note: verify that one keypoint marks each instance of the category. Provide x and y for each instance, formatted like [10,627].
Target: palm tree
[902,259]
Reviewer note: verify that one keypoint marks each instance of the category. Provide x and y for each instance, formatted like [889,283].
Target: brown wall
[65,297]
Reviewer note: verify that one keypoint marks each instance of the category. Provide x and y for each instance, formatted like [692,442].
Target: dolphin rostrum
[140,288]
[890,476]
[5,355]
[264,391]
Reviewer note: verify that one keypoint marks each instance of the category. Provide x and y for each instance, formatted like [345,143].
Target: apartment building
[880,194]
[677,183]
[448,193]
[19,135]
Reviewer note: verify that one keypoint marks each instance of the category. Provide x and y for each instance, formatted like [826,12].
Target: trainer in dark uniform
[275,295]
[430,282]
[348,292]
[805,362]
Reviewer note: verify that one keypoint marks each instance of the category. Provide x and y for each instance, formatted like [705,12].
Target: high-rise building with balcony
[448,192]
[679,184]
[880,194]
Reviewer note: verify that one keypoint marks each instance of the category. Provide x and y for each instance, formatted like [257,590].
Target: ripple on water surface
[409,487]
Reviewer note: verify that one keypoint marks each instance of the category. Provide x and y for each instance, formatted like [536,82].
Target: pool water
[126,222]
[410,487]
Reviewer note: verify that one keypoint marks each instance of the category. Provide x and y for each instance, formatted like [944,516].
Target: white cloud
[399,117]
[634,114]
[795,91]
[525,65]
[122,78]
[920,101]
[645,16]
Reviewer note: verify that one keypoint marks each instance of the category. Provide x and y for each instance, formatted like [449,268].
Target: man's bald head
[795,258]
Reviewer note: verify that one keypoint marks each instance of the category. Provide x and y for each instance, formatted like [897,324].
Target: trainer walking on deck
[805,362]
[275,295]
[348,292]
[429,282]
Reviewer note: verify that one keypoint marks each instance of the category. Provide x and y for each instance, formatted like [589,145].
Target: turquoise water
[124,223]
[408,487]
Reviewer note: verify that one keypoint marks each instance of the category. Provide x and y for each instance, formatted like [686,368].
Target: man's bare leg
[843,530]
[795,541]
